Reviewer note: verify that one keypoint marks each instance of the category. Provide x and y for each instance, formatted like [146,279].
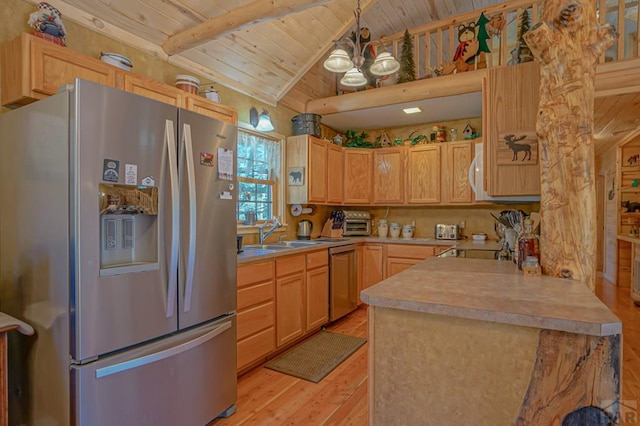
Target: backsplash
[476,218]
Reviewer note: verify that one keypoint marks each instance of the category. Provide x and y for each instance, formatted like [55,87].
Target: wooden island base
[434,369]
[488,346]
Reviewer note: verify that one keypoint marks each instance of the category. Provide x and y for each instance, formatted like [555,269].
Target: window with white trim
[258,157]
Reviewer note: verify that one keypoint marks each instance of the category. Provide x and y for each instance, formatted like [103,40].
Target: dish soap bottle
[528,243]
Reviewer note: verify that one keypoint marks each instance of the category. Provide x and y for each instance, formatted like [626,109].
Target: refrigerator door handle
[167,353]
[172,290]
[191,180]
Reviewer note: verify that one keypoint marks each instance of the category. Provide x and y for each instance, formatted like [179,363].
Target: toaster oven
[356,223]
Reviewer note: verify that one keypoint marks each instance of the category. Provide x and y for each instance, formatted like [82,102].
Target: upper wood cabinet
[357,175]
[457,159]
[335,172]
[424,174]
[388,175]
[306,170]
[33,68]
[213,109]
[149,88]
[510,96]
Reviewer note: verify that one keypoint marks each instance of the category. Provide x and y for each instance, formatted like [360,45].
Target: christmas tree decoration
[524,53]
[483,36]
[407,65]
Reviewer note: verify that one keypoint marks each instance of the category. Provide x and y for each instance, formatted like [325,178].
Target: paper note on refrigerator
[225,164]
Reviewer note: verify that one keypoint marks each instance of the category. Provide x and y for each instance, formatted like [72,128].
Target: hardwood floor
[266,397]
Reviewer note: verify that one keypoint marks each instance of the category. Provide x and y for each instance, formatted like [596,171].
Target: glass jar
[453,135]
[528,244]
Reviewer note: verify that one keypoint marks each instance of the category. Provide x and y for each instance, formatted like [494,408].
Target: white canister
[383,228]
[407,231]
[395,229]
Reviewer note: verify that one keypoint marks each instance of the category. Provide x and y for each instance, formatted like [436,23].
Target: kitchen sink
[266,247]
[296,243]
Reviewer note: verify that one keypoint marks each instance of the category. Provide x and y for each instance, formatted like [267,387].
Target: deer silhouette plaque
[517,148]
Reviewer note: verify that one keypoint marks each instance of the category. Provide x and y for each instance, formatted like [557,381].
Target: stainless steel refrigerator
[118,245]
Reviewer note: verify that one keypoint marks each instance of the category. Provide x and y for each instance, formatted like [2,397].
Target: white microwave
[476,179]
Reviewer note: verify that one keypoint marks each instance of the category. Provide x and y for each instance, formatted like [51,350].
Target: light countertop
[494,291]
[250,255]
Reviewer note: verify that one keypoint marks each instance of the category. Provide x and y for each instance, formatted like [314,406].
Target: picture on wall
[517,148]
[296,176]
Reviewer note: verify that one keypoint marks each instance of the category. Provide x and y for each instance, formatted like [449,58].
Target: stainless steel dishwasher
[343,285]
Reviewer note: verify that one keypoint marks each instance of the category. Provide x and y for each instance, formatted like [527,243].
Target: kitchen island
[469,341]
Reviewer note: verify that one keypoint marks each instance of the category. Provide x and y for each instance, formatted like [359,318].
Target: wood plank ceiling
[258,57]
[272,50]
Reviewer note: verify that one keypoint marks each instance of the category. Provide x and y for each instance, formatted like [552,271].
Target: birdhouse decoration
[468,132]
[47,23]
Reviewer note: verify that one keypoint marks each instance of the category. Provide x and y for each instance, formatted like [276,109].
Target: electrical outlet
[462,224]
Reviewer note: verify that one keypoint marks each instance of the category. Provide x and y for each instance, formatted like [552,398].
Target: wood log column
[568,42]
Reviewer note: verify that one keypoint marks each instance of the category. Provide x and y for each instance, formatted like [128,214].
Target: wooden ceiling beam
[236,19]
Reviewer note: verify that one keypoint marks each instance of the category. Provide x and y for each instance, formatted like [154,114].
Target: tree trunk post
[568,42]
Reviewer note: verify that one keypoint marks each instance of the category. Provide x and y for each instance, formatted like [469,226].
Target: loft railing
[434,44]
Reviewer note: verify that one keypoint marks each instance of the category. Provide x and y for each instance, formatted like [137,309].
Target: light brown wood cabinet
[310,185]
[372,264]
[317,289]
[388,175]
[302,294]
[357,175]
[33,68]
[424,174]
[209,108]
[403,256]
[152,89]
[457,157]
[335,172]
[290,281]
[510,105]
[256,312]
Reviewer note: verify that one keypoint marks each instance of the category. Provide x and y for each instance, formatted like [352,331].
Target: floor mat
[316,357]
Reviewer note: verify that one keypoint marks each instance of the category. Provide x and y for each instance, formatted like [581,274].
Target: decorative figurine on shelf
[468,132]
[635,183]
[47,20]
[632,160]
[631,206]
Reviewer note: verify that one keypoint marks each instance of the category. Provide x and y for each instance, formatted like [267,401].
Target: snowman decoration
[48,20]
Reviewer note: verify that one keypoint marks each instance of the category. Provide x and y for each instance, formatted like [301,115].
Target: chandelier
[339,60]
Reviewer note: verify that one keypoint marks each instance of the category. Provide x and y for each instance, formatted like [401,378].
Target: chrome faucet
[264,235]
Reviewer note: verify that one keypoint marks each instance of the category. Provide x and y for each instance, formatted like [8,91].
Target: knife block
[329,232]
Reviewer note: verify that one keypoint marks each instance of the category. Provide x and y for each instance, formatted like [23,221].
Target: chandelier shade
[384,64]
[354,78]
[339,61]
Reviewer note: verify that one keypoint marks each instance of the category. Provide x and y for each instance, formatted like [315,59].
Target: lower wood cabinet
[372,264]
[290,298]
[403,256]
[256,312]
[302,294]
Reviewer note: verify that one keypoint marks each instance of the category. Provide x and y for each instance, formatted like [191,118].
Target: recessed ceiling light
[412,110]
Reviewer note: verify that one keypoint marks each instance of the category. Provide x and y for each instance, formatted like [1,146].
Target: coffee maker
[304,229]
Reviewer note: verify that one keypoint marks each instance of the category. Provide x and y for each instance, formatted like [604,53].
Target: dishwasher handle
[341,249]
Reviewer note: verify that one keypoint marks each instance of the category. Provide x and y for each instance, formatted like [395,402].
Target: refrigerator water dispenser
[128,229]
